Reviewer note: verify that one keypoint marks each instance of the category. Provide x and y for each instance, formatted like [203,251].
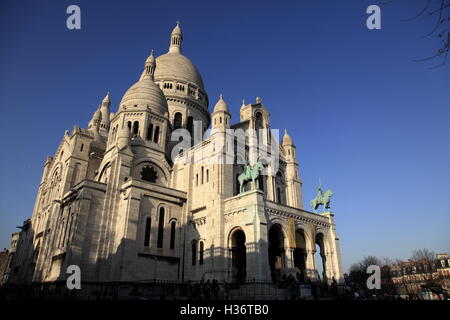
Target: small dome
[175,66]
[221,105]
[177,29]
[97,115]
[151,58]
[145,92]
[106,99]
[287,140]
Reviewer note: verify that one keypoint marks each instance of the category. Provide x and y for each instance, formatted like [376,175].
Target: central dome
[145,92]
[174,65]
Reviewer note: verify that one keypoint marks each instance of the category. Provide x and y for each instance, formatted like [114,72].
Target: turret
[123,138]
[176,38]
[149,69]
[221,116]
[106,103]
[294,184]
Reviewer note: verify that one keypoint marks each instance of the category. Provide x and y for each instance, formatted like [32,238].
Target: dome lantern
[176,38]
[150,66]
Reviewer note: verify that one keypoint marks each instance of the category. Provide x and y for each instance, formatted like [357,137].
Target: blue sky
[368,121]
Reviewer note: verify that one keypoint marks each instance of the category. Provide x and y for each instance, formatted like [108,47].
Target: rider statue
[322,198]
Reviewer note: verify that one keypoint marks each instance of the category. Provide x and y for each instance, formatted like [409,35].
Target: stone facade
[411,277]
[115,201]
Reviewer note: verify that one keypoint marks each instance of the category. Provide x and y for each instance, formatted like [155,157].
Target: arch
[103,177]
[194,252]
[173,226]
[177,120]
[160,240]
[280,188]
[300,254]
[259,121]
[202,175]
[237,241]
[148,227]
[156,135]
[321,250]
[276,250]
[135,128]
[190,125]
[201,252]
[150,132]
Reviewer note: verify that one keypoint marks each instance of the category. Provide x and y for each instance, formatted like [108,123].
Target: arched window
[201,252]
[148,226]
[178,120]
[190,125]
[280,189]
[161,228]
[81,148]
[196,180]
[129,125]
[207,175]
[202,174]
[172,234]
[135,127]
[194,252]
[150,132]
[156,137]
[76,174]
[258,121]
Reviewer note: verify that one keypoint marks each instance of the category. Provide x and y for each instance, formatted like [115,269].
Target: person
[207,290]
[226,291]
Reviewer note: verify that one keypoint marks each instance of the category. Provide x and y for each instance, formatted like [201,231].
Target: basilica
[125,203]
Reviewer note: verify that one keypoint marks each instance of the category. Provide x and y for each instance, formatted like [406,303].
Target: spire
[221,105]
[176,38]
[150,66]
[287,140]
[106,100]
[104,108]
[94,124]
[243,103]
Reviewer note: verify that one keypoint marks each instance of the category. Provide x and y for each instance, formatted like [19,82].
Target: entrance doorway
[276,252]
[300,255]
[238,256]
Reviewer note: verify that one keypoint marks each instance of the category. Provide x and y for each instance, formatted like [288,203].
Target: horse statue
[250,173]
[322,198]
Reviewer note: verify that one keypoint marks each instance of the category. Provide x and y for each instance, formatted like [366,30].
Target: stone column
[310,265]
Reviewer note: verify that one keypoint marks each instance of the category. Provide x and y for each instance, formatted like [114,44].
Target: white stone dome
[287,140]
[145,92]
[221,105]
[175,66]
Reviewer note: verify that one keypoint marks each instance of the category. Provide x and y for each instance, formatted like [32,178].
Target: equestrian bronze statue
[322,198]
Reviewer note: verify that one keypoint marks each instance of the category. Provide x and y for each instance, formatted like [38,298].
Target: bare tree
[423,255]
[439,13]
